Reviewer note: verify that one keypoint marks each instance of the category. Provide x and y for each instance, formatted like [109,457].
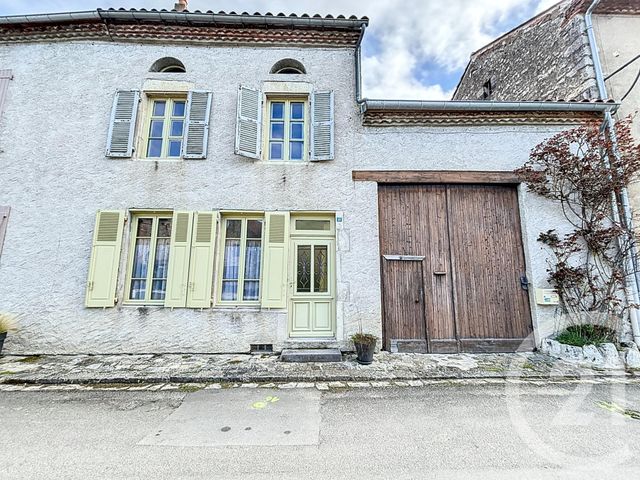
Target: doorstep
[311,355]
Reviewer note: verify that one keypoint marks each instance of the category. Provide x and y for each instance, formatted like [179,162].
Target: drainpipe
[633,283]
[359,65]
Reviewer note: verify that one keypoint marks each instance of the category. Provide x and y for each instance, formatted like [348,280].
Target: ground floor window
[151,239]
[241,260]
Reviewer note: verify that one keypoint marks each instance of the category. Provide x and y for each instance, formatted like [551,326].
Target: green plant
[7,323]
[364,338]
[592,259]
[581,335]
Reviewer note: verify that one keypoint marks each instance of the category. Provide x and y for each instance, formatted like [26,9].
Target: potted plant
[7,324]
[365,344]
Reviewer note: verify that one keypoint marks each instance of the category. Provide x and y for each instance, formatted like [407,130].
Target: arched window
[168,65]
[289,66]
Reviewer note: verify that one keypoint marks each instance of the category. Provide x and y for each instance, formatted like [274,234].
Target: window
[288,66]
[242,260]
[166,127]
[287,137]
[149,263]
[487,90]
[168,65]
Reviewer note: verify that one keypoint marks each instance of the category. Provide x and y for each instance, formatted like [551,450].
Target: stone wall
[547,58]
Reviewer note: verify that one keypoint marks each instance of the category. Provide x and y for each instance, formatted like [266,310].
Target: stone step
[311,355]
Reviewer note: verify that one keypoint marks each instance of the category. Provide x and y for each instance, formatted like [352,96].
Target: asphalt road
[446,431]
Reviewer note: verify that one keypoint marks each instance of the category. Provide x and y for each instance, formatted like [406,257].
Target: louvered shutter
[179,251]
[123,123]
[105,259]
[322,126]
[274,270]
[249,123]
[202,258]
[5,77]
[4,220]
[196,135]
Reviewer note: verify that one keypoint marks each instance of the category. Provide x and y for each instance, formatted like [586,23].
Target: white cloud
[409,33]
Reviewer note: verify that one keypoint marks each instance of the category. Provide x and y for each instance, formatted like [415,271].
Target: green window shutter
[123,123]
[274,270]
[202,259]
[249,123]
[105,259]
[179,251]
[197,125]
[322,126]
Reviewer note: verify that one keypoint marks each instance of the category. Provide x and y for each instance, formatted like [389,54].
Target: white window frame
[133,233]
[244,217]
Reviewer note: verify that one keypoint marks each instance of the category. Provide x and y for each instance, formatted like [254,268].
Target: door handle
[439,273]
[524,283]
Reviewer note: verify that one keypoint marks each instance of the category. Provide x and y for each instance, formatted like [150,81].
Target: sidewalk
[150,369]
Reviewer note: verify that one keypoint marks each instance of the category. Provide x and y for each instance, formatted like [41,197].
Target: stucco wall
[547,58]
[55,177]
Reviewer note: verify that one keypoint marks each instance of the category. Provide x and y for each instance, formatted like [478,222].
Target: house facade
[213,183]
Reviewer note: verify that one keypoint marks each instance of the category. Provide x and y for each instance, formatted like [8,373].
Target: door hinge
[524,283]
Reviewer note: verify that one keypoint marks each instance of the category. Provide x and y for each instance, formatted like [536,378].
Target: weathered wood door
[469,239]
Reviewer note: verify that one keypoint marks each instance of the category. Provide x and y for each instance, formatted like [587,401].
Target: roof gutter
[189,18]
[485,106]
[633,275]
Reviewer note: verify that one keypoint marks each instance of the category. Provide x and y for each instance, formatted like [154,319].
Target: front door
[312,290]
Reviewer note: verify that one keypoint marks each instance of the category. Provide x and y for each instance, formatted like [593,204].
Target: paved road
[448,431]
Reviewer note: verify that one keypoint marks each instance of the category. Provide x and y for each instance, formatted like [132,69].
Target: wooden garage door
[467,241]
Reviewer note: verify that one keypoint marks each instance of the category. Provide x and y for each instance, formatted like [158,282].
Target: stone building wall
[547,58]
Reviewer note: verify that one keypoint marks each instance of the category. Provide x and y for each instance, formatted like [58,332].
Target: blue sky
[413,48]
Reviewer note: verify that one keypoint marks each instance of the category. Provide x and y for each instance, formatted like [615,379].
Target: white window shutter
[105,259]
[5,77]
[179,252]
[322,126]
[196,135]
[275,260]
[202,259]
[249,123]
[123,123]
[4,221]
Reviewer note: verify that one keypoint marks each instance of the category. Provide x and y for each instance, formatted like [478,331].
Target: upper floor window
[287,129]
[166,127]
[168,65]
[288,66]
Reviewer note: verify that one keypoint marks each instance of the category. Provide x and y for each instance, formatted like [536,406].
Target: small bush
[364,338]
[581,335]
[7,323]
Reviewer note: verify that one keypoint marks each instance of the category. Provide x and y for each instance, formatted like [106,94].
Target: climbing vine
[580,169]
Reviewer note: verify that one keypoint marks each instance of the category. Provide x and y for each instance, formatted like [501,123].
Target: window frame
[170,97]
[134,218]
[244,218]
[266,127]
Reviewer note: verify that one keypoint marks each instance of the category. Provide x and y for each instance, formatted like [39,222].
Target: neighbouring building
[248,198]
[549,57]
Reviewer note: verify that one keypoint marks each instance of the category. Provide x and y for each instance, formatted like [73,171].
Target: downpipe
[632,289]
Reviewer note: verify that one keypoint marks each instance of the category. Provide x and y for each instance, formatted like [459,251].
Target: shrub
[7,323]
[581,335]
[364,338]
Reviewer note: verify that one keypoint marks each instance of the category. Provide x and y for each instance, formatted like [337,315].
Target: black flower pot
[3,335]
[365,353]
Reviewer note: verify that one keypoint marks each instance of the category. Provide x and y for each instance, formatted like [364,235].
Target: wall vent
[262,348]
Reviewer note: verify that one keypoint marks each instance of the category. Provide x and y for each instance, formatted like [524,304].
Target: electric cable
[632,86]
[622,67]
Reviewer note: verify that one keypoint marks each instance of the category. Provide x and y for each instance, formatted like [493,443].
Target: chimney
[181,6]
